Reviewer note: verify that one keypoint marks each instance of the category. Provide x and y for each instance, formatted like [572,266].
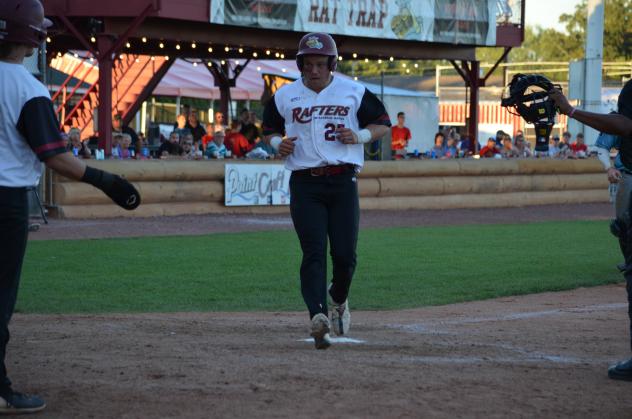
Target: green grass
[398,268]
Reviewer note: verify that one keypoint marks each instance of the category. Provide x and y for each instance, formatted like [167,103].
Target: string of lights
[173,49]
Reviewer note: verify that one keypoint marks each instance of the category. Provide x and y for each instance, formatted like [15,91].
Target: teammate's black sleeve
[38,124]
[273,122]
[372,111]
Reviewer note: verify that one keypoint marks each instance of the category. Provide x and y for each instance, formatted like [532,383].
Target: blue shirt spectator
[216,148]
[608,142]
[438,151]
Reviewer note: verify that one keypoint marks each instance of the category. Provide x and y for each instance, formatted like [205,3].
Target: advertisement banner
[450,21]
[256,184]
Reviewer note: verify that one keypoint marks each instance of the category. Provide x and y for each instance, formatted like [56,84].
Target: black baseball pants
[13,233]
[322,208]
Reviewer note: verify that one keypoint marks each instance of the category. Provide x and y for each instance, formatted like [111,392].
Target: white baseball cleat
[341,317]
[320,331]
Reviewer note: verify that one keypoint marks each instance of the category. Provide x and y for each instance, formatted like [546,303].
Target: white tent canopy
[186,79]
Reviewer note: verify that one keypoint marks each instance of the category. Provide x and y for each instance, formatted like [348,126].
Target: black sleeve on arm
[273,122]
[372,111]
[39,126]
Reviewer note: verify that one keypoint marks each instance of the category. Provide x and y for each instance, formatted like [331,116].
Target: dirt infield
[534,356]
[541,355]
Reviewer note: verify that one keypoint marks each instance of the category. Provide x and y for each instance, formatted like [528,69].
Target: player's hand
[287,146]
[560,101]
[346,136]
[614,176]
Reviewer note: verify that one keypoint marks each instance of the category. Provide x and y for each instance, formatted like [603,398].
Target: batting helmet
[317,43]
[23,22]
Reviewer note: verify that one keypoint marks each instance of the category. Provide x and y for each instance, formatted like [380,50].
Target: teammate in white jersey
[29,135]
[326,121]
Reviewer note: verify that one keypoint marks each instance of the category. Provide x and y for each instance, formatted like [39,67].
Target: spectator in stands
[490,150]
[565,141]
[208,137]
[400,136]
[142,148]
[124,147]
[78,147]
[186,137]
[171,147]
[267,147]
[500,134]
[248,128]
[438,151]
[219,123]
[216,148]
[65,139]
[579,147]
[464,146]
[522,147]
[554,149]
[194,125]
[182,129]
[508,151]
[254,119]
[565,145]
[236,141]
[451,151]
[117,137]
[117,125]
[189,152]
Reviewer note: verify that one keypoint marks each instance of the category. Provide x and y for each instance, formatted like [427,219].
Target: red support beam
[104,44]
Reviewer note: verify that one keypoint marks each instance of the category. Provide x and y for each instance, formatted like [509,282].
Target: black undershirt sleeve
[273,122]
[372,111]
[39,126]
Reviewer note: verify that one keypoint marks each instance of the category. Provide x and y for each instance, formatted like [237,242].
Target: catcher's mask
[527,95]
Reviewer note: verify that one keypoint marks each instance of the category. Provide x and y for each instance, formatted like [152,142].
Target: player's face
[316,73]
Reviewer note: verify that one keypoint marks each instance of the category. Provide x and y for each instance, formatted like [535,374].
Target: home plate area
[542,355]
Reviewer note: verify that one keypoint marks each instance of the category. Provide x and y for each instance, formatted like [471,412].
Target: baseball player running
[29,134]
[326,121]
[618,124]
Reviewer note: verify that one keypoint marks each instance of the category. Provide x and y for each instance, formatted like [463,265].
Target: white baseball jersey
[313,118]
[29,131]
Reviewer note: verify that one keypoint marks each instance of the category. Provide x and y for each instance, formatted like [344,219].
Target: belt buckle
[316,171]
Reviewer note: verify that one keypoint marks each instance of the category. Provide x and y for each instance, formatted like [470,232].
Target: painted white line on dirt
[431,327]
[336,340]
[487,359]
[265,222]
